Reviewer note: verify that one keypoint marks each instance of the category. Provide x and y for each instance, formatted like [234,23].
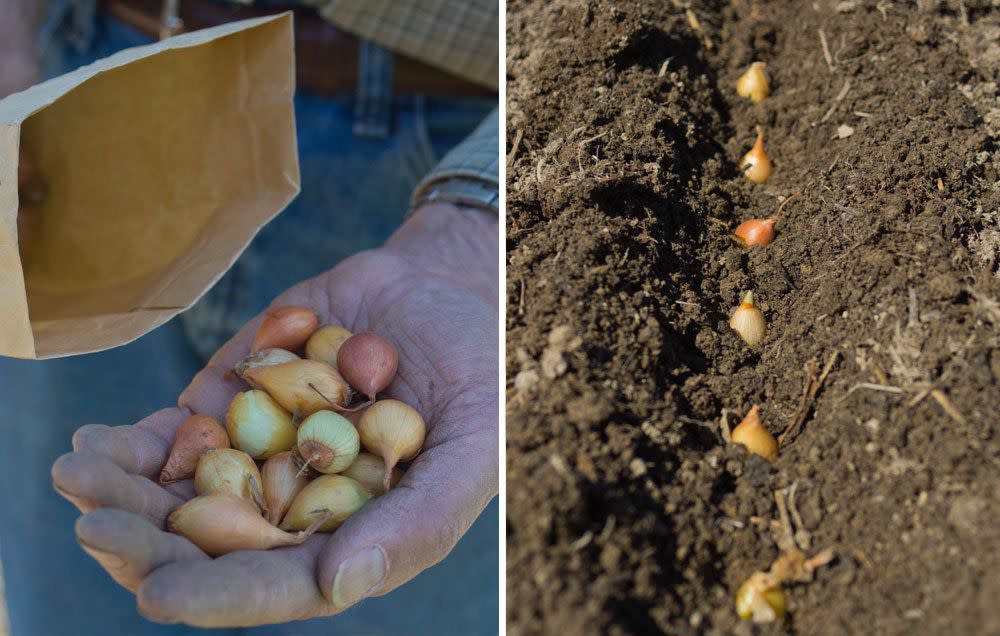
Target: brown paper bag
[160,164]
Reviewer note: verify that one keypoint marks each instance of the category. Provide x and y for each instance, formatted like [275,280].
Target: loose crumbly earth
[628,513]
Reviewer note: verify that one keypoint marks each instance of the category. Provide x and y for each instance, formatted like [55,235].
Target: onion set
[195,435]
[368,363]
[753,84]
[258,426]
[759,231]
[325,344]
[327,442]
[394,431]
[326,502]
[283,479]
[747,321]
[219,524]
[301,387]
[227,471]
[270,477]
[752,434]
[285,328]
[369,471]
[756,164]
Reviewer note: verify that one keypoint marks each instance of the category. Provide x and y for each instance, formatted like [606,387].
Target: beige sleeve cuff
[470,173]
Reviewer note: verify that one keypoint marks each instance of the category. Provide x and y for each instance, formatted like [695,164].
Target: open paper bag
[159,165]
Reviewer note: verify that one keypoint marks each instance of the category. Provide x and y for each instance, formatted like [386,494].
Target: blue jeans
[354,194]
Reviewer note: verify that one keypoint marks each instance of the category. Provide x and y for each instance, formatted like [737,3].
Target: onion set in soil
[289,461]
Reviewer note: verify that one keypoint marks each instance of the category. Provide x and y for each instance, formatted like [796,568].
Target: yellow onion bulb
[333,495]
[327,442]
[227,471]
[369,471]
[220,524]
[258,426]
[302,386]
[325,344]
[753,84]
[752,434]
[394,431]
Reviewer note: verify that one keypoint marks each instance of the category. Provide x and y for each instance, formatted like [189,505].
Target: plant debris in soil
[627,511]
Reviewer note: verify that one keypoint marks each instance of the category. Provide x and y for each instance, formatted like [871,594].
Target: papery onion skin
[748,321]
[286,328]
[264,358]
[195,435]
[220,524]
[368,362]
[341,496]
[283,480]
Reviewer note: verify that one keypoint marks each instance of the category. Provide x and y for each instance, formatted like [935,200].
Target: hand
[432,290]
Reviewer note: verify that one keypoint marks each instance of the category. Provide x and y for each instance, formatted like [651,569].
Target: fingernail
[107,559]
[359,576]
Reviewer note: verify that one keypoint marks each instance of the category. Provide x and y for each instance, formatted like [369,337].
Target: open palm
[432,292]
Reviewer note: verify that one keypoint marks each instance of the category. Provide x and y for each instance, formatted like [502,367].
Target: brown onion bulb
[760,231]
[283,480]
[286,328]
[195,435]
[755,232]
[368,363]
[220,524]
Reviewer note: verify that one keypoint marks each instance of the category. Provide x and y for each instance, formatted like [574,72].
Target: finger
[92,481]
[129,547]
[237,590]
[141,449]
[415,525]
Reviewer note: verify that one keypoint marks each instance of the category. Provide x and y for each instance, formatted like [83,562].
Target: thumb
[417,523]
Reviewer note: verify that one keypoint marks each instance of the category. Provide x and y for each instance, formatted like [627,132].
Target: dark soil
[627,512]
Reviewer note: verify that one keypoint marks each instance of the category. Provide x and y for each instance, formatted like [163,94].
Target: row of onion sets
[761,598]
[304,448]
